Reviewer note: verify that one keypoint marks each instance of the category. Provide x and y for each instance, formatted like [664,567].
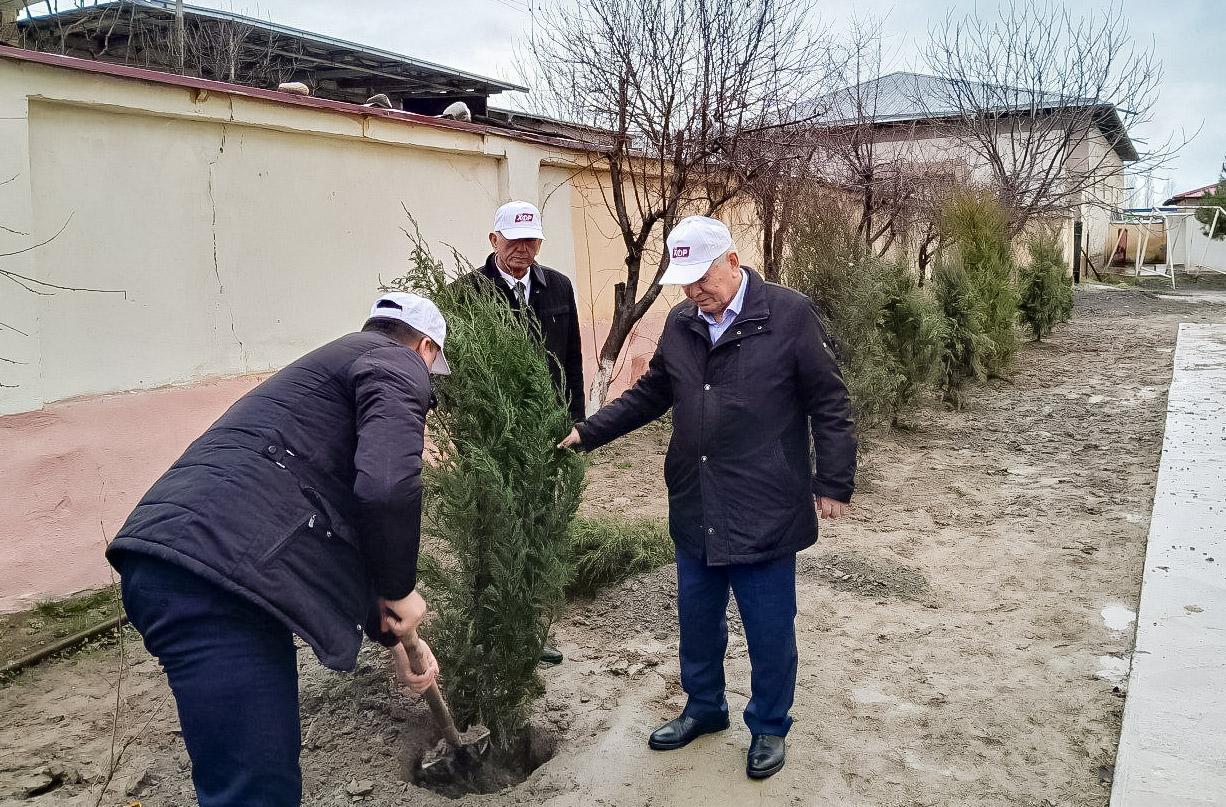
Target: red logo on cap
[522,217]
[681,252]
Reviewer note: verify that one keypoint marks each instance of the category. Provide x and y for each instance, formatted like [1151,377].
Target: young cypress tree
[825,262]
[965,344]
[1046,294]
[979,227]
[499,495]
[913,331]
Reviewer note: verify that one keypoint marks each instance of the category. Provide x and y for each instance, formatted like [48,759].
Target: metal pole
[1077,251]
[1142,239]
[1217,212]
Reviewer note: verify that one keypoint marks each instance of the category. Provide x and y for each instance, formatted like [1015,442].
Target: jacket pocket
[333,523]
[306,524]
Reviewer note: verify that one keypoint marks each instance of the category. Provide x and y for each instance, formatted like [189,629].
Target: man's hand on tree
[572,440]
[829,508]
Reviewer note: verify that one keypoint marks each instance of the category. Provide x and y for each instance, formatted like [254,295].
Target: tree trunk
[619,332]
[785,219]
[180,38]
[770,269]
[626,314]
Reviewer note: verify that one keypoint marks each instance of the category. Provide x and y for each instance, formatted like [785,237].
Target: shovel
[455,751]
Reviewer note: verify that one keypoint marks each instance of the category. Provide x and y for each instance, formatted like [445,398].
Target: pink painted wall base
[74,470]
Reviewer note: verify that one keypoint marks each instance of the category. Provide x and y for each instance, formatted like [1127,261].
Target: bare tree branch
[1045,100]
[695,100]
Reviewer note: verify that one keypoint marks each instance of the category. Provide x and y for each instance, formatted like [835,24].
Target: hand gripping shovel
[455,752]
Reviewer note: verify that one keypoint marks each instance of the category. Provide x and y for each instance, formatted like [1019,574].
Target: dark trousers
[766,598]
[234,673]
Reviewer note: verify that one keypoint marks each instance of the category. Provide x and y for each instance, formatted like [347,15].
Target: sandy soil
[954,649]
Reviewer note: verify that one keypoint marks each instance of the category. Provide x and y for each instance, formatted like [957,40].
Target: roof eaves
[321,39]
[274,96]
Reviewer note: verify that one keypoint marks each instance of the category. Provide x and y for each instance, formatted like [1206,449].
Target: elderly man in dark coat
[747,369]
[546,294]
[548,297]
[297,512]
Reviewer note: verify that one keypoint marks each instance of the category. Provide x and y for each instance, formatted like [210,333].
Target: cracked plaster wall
[242,233]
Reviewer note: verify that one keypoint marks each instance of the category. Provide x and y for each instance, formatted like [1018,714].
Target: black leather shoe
[766,756]
[681,732]
[551,655]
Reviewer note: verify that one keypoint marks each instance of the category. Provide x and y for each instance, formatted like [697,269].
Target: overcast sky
[479,36]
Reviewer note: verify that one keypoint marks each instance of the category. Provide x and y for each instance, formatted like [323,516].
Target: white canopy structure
[1186,243]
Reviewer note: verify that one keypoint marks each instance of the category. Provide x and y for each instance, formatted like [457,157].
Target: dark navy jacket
[305,497]
[740,479]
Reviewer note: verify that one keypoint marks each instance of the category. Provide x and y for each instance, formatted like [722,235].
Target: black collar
[490,270]
[753,307]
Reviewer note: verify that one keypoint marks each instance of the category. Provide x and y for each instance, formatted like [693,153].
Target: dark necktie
[521,301]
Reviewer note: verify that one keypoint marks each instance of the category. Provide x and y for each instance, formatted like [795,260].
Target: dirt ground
[953,644]
[25,632]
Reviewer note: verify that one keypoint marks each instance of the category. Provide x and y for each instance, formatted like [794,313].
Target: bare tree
[179,43]
[774,192]
[870,153]
[694,96]
[1044,99]
[213,48]
[32,285]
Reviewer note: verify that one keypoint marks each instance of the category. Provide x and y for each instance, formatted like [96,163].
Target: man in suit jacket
[547,295]
[297,512]
[545,292]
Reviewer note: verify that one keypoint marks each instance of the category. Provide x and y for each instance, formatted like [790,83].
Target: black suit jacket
[552,301]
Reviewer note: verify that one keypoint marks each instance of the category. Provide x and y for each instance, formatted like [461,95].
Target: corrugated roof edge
[1195,193]
[273,96]
[322,39]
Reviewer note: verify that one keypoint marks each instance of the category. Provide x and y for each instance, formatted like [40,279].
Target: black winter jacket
[552,300]
[304,497]
[740,479]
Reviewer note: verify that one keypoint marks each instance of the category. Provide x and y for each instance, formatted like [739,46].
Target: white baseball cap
[519,220]
[693,245]
[420,314]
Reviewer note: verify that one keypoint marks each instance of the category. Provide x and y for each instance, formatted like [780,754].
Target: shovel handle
[442,715]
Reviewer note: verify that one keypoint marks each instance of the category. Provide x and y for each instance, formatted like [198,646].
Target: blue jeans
[766,597]
[233,670]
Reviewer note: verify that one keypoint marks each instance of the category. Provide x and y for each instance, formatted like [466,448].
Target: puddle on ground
[1113,669]
[1118,618]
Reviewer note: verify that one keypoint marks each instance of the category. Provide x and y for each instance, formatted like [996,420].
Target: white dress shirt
[511,281]
[730,313]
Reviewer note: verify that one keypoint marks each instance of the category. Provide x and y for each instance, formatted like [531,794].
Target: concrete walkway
[1173,746]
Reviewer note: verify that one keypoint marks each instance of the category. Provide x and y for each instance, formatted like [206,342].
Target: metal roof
[355,69]
[1195,193]
[907,97]
[481,126]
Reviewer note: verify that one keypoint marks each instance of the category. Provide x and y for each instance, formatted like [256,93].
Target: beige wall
[241,232]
